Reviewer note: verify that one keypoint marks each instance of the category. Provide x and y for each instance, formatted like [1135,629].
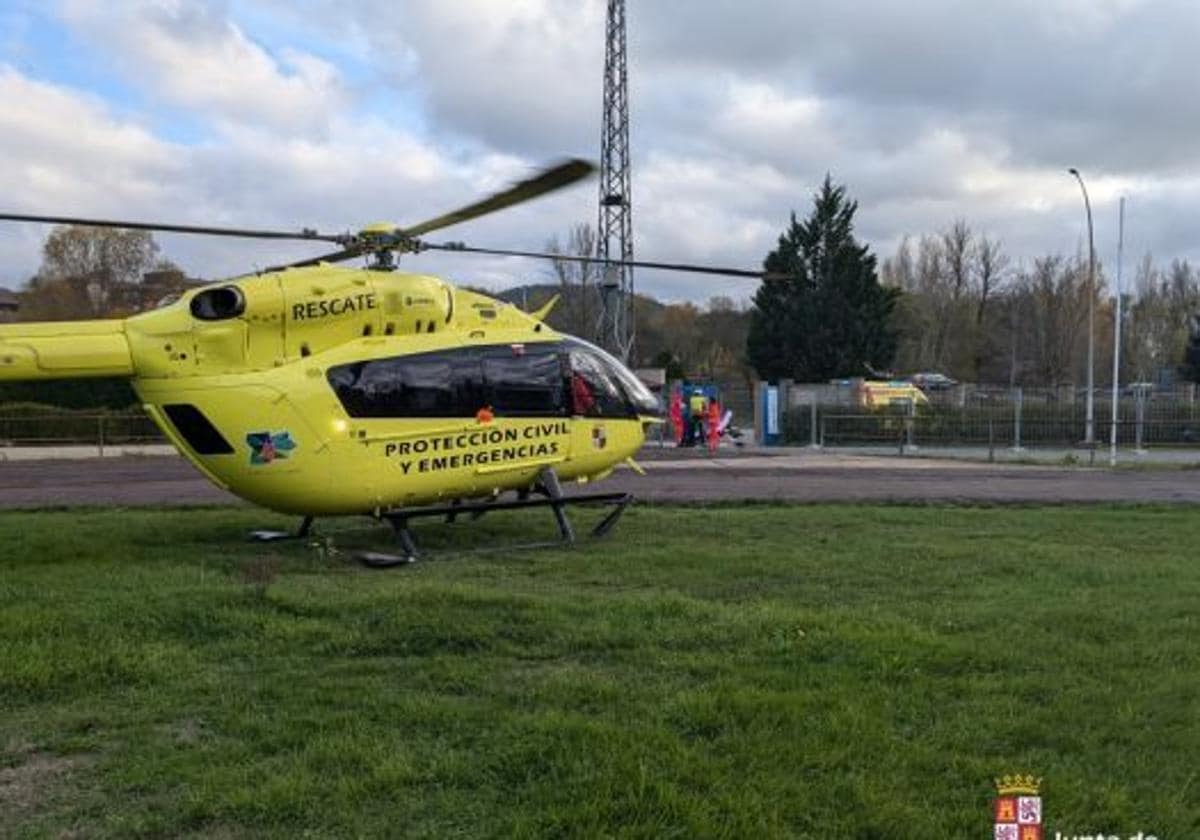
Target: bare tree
[576,281]
[952,328]
[950,283]
[958,248]
[992,266]
[1158,319]
[1055,310]
[898,270]
[936,315]
[991,271]
[89,273]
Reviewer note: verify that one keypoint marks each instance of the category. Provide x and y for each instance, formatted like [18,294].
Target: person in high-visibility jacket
[698,408]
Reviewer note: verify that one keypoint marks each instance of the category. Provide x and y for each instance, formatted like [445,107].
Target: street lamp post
[1091,354]
[1116,383]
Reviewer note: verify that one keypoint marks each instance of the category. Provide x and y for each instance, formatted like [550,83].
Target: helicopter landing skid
[399,520]
[280,536]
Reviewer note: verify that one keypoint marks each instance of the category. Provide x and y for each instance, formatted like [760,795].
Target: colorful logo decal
[599,437]
[266,447]
[1018,808]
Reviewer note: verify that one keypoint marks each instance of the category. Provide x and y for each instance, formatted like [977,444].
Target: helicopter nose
[652,416]
[660,408]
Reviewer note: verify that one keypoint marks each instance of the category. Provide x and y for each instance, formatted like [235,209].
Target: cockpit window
[442,384]
[512,380]
[594,392]
[524,380]
[613,389]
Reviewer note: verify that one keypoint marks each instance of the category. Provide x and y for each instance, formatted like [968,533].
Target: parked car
[1134,388]
[931,381]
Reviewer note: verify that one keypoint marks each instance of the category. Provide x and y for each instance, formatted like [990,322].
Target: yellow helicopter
[320,390]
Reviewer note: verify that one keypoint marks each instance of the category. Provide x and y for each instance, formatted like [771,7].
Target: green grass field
[829,671]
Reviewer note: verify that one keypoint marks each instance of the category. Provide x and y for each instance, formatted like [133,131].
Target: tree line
[966,310]
[954,302]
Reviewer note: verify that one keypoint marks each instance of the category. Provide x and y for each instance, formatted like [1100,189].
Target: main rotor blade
[698,269]
[246,233]
[556,177]
[336,256]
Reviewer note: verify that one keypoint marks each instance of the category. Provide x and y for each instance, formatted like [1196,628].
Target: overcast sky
[332,114]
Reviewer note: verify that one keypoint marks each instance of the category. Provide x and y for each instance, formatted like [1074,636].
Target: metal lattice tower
[615,229]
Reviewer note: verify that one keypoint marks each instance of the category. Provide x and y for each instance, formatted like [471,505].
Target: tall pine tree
[826,316]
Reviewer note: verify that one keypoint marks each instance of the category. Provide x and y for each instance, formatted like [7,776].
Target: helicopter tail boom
[64,350]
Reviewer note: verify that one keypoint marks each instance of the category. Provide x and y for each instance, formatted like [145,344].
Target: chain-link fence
[737,395]
[1015,418]
[69,428]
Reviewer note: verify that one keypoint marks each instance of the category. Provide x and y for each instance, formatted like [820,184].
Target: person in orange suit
[677,420]
[714,425]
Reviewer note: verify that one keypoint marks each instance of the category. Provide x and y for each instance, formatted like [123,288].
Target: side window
[443,384]
[524,381]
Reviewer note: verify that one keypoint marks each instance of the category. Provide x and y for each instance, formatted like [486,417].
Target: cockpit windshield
[604,386]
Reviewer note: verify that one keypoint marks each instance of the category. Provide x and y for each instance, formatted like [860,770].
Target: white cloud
[189,55]
[522,76]
[65,145]
[110,167]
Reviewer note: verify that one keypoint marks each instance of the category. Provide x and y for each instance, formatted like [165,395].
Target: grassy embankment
[741,671]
